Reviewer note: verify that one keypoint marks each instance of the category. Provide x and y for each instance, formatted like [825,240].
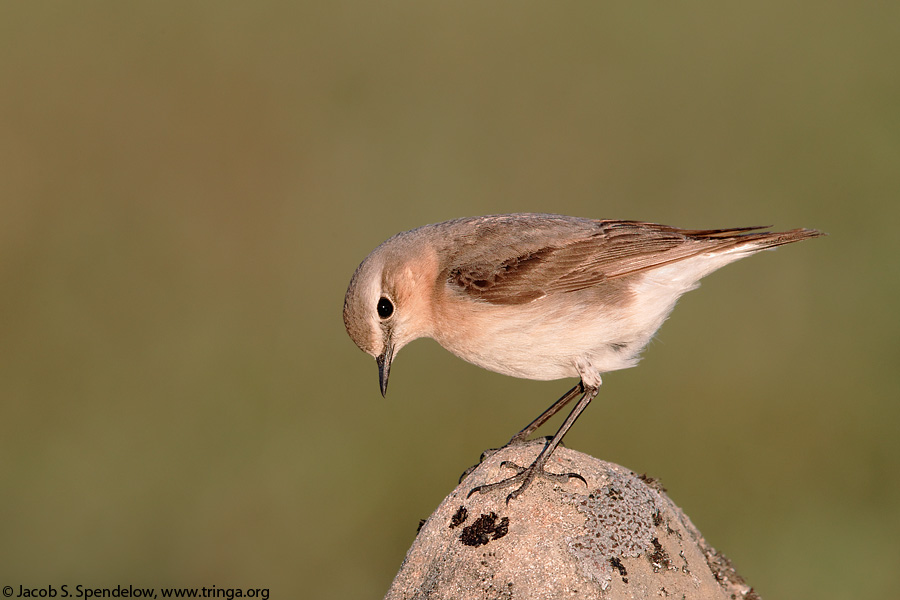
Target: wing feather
[517,261]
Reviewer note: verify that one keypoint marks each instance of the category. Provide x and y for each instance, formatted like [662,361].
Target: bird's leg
[526,475]
[523,435]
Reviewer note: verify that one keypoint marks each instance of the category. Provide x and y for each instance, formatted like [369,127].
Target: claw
[525,475]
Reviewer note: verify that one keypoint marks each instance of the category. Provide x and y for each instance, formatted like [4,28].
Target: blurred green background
[186,188]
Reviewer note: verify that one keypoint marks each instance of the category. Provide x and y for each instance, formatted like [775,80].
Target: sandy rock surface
[619,536]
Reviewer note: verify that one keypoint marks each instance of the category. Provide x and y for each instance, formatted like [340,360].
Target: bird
[537,296]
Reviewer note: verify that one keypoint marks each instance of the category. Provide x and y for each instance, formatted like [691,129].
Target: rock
[619,536]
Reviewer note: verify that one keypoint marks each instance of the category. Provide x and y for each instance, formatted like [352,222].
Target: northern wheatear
[536,296]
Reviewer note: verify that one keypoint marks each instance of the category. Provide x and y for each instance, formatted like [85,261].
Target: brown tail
[739,236]
[771,239]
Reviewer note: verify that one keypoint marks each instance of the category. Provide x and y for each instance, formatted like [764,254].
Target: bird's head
[388,301]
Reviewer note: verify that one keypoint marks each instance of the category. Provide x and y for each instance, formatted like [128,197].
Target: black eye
[385,308]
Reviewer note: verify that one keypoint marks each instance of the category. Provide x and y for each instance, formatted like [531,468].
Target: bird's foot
[515,441]
[524,476]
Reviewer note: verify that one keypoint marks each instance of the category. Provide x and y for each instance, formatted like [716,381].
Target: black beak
[384,367]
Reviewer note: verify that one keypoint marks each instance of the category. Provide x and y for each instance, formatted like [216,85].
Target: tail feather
[772,239]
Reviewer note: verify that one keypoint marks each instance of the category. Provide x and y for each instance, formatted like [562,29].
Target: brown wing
[570,256]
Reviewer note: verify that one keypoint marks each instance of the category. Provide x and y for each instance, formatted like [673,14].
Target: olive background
[187,187]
